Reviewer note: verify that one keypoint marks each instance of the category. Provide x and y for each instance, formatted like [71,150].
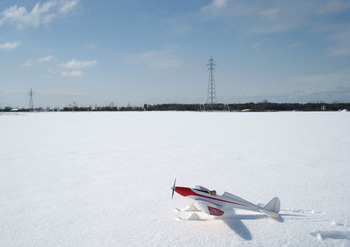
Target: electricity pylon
[31,105]
[211,96]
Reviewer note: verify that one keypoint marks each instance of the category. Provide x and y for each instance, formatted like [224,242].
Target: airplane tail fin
[272,208]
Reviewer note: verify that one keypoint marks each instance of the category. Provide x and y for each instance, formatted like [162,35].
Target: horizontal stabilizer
[269,213]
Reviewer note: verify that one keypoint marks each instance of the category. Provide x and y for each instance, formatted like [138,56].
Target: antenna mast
[211,96]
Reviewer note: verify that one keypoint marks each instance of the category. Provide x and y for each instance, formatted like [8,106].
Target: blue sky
[152,52]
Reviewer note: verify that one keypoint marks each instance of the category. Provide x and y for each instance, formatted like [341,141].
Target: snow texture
[104,179]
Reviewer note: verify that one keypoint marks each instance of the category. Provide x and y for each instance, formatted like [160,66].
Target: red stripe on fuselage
[215,211]
[185,191]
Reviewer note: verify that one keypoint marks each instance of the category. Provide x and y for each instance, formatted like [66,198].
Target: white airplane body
[216,205]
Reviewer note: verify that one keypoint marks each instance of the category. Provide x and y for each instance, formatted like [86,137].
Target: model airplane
[213,204]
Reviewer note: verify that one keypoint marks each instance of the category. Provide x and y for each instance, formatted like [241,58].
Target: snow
[104,178]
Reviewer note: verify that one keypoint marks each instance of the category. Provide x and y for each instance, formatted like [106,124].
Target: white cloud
[340,50]
[28,63]
[72,73]
[332,7]
[79,64]
[269,17]
[342,43]
[261,17]
[295,44]
[68,6]
[270,14]
[40,14]
[45,59]
[338,76]
[178,25]
[74,67]
[90,47]
[9,45]
[215,6]
[39,60]
[58,92]
[260,43]
[155,59]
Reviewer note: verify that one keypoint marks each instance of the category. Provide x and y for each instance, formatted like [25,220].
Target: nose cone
[184,191]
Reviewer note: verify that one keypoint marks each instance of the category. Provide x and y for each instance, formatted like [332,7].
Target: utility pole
[31,105]
[211,96]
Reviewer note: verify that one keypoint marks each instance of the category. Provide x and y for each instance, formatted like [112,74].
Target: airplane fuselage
[226,200]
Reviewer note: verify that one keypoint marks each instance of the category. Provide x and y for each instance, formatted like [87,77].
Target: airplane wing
[210,208]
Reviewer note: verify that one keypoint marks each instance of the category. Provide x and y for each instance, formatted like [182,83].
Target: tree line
[254,107]
[251,106]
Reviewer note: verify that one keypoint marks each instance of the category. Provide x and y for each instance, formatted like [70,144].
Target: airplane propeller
[173,189]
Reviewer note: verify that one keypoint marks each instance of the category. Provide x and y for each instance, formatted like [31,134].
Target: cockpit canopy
[205,190]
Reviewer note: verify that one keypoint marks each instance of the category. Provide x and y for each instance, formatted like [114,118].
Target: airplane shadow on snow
[234,222]
[239,228]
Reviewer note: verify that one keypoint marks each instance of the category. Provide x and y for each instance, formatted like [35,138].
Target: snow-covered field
[103,179]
